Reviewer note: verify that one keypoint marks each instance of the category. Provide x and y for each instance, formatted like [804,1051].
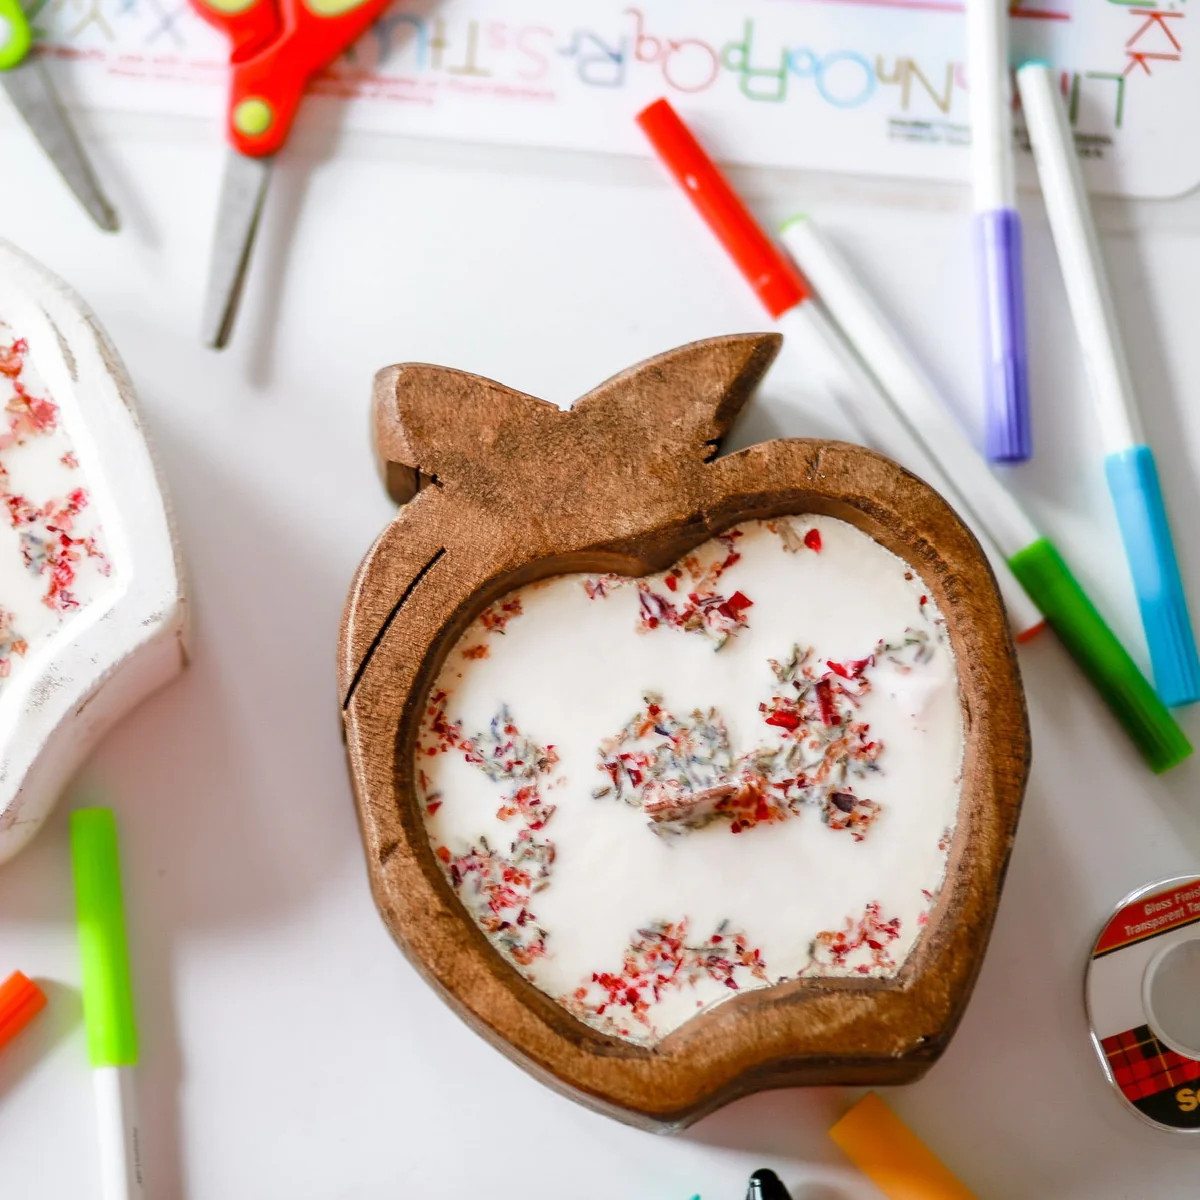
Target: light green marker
[1035,562]
[107,998]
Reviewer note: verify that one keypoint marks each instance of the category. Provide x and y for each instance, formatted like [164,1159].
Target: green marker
[1035,562]
[107,998]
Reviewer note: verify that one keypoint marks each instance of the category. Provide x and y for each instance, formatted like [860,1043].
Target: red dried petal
[785,718]
[829,714]
[735,606]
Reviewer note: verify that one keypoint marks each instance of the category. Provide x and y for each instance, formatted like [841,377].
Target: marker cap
[1133,482]
[107,990]
[20,1001]
[770,272]
[896,1161]
[1007,434]
[766,1185]
[1045,576]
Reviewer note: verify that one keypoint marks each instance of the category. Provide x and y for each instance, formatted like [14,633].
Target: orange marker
[20,1001]
[896,1161]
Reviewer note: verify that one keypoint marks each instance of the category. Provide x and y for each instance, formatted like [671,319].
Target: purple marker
[1008,437]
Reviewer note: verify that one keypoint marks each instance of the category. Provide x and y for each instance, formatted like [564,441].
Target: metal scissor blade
[36,101]
[242,193]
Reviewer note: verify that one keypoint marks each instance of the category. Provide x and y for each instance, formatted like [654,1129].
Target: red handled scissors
[27,82]
[278,46]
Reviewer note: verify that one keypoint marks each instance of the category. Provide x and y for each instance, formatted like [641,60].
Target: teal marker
[1129,463]
[107,998]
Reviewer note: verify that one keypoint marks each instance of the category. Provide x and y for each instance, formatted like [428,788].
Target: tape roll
[1143,1002]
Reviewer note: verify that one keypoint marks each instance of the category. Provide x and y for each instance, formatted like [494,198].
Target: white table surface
[289,1050]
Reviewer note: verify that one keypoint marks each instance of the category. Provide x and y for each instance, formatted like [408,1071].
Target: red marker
[773,276]
[787,297]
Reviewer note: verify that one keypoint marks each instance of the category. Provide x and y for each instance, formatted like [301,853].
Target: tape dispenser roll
[1143,1002]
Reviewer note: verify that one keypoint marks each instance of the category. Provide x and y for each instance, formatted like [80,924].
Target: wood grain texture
[500,489]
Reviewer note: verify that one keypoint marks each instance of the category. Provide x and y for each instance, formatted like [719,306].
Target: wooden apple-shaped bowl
[499,489]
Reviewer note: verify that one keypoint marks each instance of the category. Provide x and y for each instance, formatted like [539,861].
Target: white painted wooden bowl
[92,610]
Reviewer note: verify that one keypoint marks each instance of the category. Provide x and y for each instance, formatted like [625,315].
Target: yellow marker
[896,1161]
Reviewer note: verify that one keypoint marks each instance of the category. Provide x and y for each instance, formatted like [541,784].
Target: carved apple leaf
[434,425]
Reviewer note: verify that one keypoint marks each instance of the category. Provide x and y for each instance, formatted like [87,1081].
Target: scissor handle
[15,35]
[249,24]
[268,86]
